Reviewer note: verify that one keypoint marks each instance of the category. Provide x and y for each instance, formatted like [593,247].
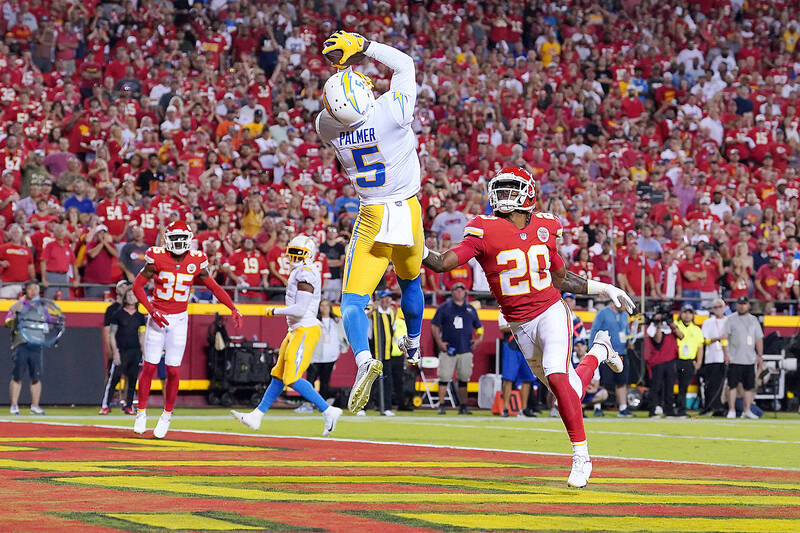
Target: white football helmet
[347,95]
[301,249]
[178,238]
[512,189]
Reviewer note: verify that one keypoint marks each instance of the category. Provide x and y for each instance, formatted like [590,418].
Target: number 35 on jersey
[173,279]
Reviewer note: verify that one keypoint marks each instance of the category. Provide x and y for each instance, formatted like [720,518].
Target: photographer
[24,355]
[661,352]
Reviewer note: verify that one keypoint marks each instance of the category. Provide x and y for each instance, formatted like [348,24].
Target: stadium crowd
[664,134]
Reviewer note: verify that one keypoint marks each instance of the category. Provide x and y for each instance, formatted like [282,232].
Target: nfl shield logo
[523,236]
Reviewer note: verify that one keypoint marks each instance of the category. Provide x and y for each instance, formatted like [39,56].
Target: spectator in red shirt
[769,280]
[693,276]
[100,257]
[16,262]
[247,268]
[56,260]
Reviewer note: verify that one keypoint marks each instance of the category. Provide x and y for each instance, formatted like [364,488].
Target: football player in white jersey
[303,291]
[376,146]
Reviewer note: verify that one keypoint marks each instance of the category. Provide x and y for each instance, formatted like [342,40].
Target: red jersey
[174,276]
[114,214]
[249,265]
[517,262]
[19,257]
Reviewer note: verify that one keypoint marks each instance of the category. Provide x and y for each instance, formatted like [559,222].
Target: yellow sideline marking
[192,485]
[181,521]
[533,522]
[491,314]
[102,466]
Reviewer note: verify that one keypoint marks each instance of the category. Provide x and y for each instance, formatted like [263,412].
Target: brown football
[335,56]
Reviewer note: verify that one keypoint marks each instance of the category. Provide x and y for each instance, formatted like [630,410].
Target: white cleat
[581,470]
[140,422]
[162,426]
[251,419]
[749,414]
[359,394]
[612,358]
[330,417]
[410,348]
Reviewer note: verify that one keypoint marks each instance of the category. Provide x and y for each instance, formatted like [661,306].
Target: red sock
[569,407]
[171,394]
[143,386]
[586,368]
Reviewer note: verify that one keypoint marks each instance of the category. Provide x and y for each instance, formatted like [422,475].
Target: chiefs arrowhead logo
[523,236]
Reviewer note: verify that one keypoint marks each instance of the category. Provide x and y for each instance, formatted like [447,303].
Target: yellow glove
[270,311]
[348,43]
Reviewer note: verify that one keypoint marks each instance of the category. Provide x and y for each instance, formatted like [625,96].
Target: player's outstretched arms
[566,281]
[223,297]
[443,262]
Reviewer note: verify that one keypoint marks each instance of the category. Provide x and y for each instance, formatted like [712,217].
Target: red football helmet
[178,237]
[512,189]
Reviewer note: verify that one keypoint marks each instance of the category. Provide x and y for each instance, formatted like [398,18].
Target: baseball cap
[100,227]
[687,307]
[459,285]
[228,95]
[743,300]
[384,293]
[122,283]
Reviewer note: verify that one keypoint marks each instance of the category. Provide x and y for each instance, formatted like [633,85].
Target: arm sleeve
[219,292]
[404,77]
[468,248]
[138,290]
[298,308]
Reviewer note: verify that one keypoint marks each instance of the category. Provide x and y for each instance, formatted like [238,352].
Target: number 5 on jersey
[377,166]
[533,268]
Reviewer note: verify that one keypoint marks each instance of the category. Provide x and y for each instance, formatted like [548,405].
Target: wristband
[595,287]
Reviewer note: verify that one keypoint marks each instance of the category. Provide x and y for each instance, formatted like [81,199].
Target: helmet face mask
[178,238]
[512,189]
[348,97]
[301,250]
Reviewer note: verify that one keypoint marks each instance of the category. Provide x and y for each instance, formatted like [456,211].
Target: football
[334,57]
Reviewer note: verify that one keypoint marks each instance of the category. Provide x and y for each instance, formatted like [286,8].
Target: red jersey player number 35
[173,279]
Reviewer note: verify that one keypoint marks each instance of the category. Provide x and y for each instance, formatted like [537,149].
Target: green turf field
[769,442]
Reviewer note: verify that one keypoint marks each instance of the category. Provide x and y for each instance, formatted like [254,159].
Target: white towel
[396,227]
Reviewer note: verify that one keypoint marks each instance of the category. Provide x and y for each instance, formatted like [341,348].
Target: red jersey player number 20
[517,249]
[517,262]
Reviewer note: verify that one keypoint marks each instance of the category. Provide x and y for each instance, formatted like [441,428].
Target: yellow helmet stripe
[347,86]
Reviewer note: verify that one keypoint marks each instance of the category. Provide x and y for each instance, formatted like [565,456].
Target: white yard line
[426,421]
[436,446]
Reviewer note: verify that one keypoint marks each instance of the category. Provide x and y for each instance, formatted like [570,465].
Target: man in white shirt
[689,54]
[715,356]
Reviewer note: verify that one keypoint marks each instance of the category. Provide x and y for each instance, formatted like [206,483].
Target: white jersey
[380,156]
[308,274]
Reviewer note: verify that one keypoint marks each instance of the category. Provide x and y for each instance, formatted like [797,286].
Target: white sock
[363,357]
[623,406]
[581,449]
[598,407]
[169,415]
[142,412]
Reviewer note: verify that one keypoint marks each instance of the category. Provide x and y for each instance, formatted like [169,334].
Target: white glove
[617,295]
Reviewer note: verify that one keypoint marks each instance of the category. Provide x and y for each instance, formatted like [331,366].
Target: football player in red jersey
[517,249]
[173,269]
